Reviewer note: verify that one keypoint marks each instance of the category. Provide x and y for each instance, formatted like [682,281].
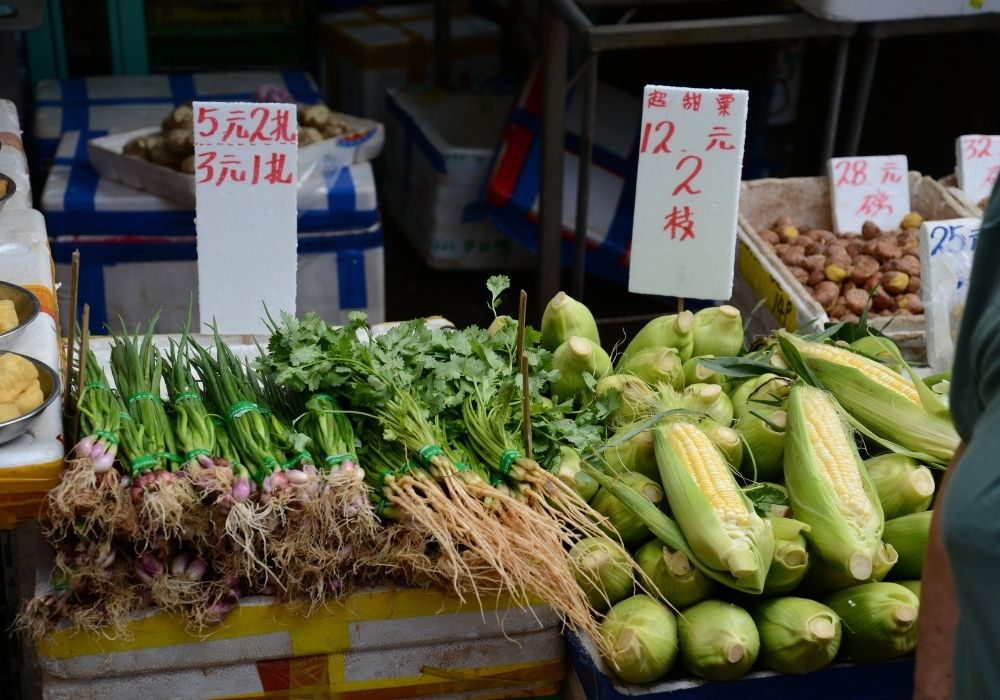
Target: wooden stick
[74,285]
[526,405]
[680,304]
[84,349]
[522,310]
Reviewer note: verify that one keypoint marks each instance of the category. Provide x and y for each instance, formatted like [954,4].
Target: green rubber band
[169,456]
[241,407]
[97,385]
[124,415]
[270,463]
[216,421]
[297,459]
[335,460]
[380,508]
[496,481]
[507,460]
[144,463]
[321,395]
[195,454]
[265,411]
[142,395]
[461,467]
[188,396]
[430,452]
[108,437]
[381,479]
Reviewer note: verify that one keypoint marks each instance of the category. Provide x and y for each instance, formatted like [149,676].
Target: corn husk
[718,330]
[626,523]
[633,455]
[823,578]
[718,640]
[797,635]
[602,570]
[908,534]
[569,472]
[641,636]
[696,373]
[726,439]
[673,331]
[653,365]
[791,556]
[847,538]
[764,445]
[565,317]
[711,400]
[904,486]
[574,358]
[673,574]
[880,621]
[743,550]
[636,397]
[882,349]
[914,587]
[764,394]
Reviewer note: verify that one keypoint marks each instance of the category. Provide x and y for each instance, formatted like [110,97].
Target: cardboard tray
[807,200]
[106,157]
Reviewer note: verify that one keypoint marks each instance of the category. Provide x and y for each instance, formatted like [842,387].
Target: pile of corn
[780,518]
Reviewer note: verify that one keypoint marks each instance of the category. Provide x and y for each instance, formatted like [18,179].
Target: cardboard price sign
[946,251]
[875,188]
[978,164]
[687,192]
[246,160]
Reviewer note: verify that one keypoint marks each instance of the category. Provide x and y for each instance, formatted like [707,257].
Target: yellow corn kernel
[834,454]
[709,470]
[871,369]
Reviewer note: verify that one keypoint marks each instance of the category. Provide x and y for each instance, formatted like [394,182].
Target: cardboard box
[436,167]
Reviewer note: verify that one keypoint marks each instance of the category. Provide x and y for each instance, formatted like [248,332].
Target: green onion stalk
[163,494]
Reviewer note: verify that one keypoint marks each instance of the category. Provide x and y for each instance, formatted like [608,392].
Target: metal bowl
[11,189]
[26,307]
[48,381]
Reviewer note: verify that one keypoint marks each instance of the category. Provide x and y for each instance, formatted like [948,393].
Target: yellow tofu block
[8,315]
[16,374]
[29,399]
[8,411]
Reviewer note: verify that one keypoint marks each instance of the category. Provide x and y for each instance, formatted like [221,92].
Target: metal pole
[836,98]
[553,146]
[442,42]
[861,97]
[588,115]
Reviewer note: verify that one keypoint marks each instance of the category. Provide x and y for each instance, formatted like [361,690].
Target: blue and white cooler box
[138,250]
[100,104]
[512,193]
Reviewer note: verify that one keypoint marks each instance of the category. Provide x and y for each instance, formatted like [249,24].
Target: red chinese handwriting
[851,172]
[657,98]
[874,204]
[691,101]
[280,132]
[264,124]
[890,173]
[205,118]
[276,170]
[716,139]
[685,185]
[978,147]
[679,221]
[235,130]
[230,167]
[723,102]
[991,175]
[664,145]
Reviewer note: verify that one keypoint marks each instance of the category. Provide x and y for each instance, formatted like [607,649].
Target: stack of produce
[849,273]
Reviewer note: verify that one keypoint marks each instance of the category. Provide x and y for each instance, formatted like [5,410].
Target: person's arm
[933,679]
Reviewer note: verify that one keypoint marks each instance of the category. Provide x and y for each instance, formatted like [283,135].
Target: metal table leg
[553,145]
[836,98]
[865,80]
[588,114]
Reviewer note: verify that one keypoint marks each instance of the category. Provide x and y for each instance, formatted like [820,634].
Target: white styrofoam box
[13,163]
[364,59]
[884,10]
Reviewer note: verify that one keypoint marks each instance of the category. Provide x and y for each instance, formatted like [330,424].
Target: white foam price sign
[687,193]
[978,164]
[873,188]
[246,158]
[946,251]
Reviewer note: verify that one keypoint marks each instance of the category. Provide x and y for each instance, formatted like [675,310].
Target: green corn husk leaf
[711,400]
[640,634]
[673,331]
[679,582]
[904,486]
[824,578]
[880,621]
[626,523]
[914,587]
[791,559]
[602,570]
[654,365]
[665,529]
[634,454]
[770,500]
[575,358]
[797,635]
[697,373]
[725,438]
[743,550]
[764,394]
[923,430]
[565,317]
[718,640]
[638,399]
[880,348]
[845,537]
[570,473]
[764,445]
[908,534]
[718,330]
